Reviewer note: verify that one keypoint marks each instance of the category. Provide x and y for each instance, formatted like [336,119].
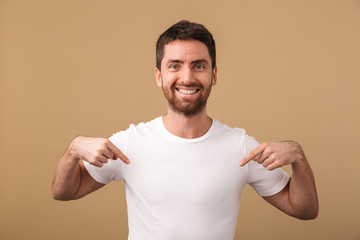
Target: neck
[187,127]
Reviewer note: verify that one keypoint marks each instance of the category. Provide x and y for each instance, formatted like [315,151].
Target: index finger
[118,153]
[252,155]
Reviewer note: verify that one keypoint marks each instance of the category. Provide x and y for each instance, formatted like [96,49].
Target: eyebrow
[196,61]
[201,61]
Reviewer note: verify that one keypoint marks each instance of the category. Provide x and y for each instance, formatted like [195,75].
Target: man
[181,170]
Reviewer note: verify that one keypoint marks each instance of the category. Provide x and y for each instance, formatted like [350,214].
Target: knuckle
[93,160]
[106,142]
[270,149]
[98,155]
[101,148]
[101,145]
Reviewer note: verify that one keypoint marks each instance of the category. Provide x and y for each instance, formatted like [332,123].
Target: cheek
[168,79]
[206,79]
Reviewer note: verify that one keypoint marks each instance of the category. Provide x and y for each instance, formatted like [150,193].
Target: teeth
[187,91]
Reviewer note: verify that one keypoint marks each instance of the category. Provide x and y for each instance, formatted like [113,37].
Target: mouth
[187,91]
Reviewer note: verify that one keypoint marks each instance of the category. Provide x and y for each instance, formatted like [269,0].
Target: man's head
[185,30]
[186,67]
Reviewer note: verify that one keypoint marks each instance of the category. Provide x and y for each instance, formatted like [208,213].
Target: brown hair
[185,30]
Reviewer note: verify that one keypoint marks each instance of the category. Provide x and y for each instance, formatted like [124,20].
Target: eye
[173,66]
[199,67]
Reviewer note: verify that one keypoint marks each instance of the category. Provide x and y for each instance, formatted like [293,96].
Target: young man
[184,180]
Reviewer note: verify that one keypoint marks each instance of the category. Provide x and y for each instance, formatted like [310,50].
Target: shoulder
[228,135]
[139,128]
[221,128]
[235,134]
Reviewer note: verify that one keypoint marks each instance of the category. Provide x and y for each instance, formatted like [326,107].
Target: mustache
[189,85]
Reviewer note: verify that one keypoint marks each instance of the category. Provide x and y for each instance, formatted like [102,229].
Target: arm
[299,198]
[71,180]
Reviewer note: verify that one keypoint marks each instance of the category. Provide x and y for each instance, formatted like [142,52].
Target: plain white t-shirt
[185,188]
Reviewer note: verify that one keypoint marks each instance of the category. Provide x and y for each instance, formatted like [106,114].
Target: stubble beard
[186,108]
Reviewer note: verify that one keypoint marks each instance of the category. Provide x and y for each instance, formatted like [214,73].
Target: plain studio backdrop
[286,70]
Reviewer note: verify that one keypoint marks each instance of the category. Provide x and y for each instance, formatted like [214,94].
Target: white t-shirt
[185,188]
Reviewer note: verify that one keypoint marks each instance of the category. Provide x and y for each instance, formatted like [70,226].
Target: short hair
[185,30]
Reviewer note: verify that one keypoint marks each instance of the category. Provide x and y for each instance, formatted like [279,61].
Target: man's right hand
[72,180]
[96,151]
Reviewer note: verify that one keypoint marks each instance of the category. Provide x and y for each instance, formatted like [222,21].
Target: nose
[187,76]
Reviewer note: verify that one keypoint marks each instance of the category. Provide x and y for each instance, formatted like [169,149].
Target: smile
[187,91]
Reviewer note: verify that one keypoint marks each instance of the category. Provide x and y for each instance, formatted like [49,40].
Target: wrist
[299,154]
[300,164]
[73,152]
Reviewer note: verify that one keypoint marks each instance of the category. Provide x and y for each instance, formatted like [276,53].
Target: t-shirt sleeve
[265,182]
[112,170]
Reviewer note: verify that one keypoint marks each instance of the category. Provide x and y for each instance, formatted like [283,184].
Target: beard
[186,107]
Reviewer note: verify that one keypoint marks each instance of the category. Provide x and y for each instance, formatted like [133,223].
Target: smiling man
[184,180]
[184,76]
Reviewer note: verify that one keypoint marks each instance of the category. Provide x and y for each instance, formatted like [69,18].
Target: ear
[158,77]
[214,76]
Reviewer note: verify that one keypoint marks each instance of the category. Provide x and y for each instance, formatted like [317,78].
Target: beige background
[287,70]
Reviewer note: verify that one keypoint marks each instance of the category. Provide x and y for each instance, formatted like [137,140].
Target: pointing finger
[118,153]
[252,155]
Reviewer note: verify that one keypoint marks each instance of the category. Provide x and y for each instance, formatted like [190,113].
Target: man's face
[186,76]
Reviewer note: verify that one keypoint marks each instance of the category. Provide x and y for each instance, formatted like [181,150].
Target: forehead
[185,50]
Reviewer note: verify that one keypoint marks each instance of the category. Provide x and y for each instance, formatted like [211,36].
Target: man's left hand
[273,155]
